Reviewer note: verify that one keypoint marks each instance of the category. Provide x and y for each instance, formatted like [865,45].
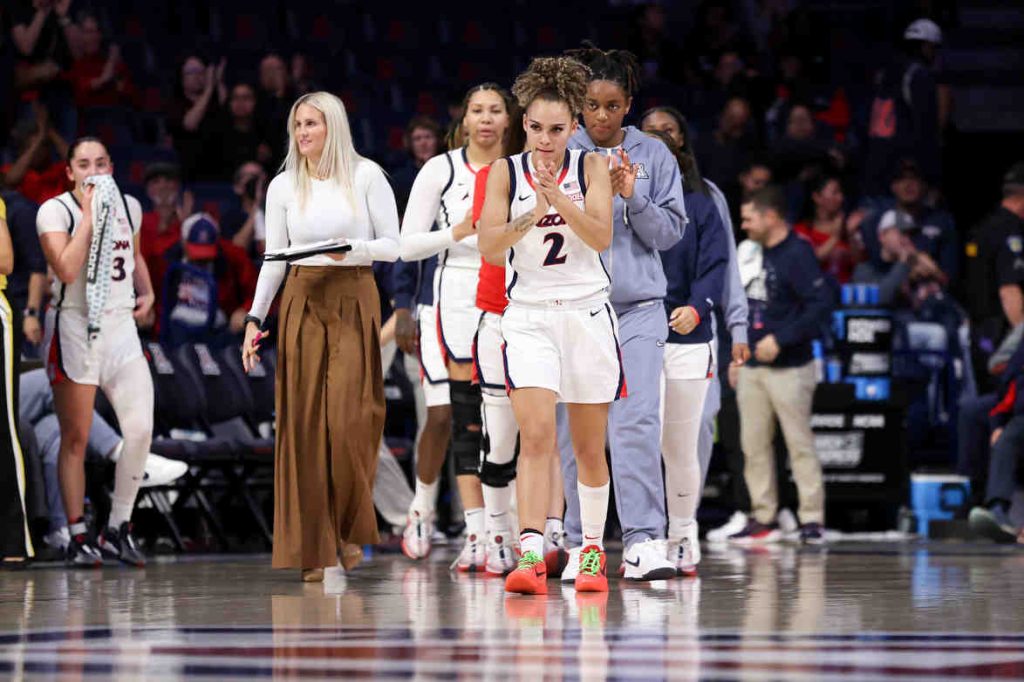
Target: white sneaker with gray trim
[647,561]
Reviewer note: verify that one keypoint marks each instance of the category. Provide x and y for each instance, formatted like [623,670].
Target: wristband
[256,320]
[30,312]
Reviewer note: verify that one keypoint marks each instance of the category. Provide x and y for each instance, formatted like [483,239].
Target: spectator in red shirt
[39,172]
[209,286]
[99,76]
[161,225]
[832,232]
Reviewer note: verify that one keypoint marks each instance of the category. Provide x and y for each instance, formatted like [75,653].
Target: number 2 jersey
[64,214]
[551,265]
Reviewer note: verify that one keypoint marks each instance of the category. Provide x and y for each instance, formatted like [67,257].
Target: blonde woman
[330,389]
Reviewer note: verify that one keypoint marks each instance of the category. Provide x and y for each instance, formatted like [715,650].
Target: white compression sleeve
[130,393]
[683,404]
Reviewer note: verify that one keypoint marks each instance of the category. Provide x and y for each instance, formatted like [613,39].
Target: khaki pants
[762,394]
[330,414]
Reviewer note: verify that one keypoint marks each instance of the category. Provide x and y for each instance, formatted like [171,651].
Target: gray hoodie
[650,221]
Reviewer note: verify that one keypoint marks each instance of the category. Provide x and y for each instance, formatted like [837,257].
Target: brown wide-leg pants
[330,414]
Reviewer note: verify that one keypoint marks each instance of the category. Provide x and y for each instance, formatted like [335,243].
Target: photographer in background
[243,220]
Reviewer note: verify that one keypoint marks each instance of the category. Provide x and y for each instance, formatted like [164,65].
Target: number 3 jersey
[64,214]
[551,264]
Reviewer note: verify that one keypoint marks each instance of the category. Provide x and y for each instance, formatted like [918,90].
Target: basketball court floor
[861,611]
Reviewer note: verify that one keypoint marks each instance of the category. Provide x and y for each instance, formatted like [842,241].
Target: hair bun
[564,77]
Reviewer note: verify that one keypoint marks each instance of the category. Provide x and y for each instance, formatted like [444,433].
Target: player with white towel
[101,292]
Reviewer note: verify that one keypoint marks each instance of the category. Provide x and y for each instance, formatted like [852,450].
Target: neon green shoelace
[529,560]
[590,562]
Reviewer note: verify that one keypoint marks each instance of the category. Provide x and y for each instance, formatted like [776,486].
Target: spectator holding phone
[243,221]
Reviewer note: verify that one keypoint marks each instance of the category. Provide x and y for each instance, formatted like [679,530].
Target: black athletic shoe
[118,543]
[80,553]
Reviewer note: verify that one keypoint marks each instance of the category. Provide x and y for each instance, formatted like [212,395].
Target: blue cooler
[937,497]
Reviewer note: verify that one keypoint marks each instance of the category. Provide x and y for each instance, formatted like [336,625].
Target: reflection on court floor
[860,612]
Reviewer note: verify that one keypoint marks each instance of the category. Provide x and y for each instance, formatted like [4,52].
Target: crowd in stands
[197,135]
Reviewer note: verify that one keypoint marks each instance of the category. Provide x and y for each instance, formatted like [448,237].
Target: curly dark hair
[617,66]
[555,79]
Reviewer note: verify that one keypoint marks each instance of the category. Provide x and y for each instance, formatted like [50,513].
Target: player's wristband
[30,312]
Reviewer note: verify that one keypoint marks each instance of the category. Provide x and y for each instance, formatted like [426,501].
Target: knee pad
[466,427]
[498,475]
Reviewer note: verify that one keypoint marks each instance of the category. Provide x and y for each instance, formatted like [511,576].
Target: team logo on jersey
[551,220]
[1015,244]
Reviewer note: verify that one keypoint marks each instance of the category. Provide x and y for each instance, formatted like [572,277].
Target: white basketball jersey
[456,202]
[64,210]
[551,263]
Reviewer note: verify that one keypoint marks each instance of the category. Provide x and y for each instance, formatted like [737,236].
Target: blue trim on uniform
[509,385]
[515,275]
[711,355]
[618,353]
[447,186]
[423,366]
[476,358]
[511,182]
[440,325]
[580,176]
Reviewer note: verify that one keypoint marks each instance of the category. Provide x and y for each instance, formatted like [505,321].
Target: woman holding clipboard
[330,388]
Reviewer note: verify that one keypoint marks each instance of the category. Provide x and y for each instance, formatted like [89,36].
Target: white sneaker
[58,539]
[500,556]
[555,554]
[416,538]
[685,552]
[787,523]
[646,561]
[473,556]
[572,566]
[736,523]
[161,471]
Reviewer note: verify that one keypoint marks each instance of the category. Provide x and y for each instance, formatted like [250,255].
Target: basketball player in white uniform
[548,215]
[443,195]
[113,360]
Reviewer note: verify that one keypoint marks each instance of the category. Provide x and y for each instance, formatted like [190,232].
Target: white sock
[497,502]
[553,528]
[425,498]
[593,512]
[531,541]
[474,522]
[130,393]
[677,527]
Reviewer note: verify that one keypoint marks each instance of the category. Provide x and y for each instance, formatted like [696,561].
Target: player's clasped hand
[623,175]
[251,346]
[683,320]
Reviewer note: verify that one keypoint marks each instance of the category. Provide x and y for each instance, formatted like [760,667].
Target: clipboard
[305,251]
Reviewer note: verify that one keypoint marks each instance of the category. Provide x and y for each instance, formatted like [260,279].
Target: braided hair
[618,66]
[554,79]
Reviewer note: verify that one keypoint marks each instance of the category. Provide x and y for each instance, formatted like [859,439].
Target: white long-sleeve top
[371,229]
[441,194]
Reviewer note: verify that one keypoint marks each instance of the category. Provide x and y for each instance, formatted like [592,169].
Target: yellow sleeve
[3,210]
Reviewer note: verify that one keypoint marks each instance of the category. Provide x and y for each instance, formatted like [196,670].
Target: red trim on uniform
[465,160]
[509,386]
[55,358]
[565,171]
[440,333]
[476,362]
